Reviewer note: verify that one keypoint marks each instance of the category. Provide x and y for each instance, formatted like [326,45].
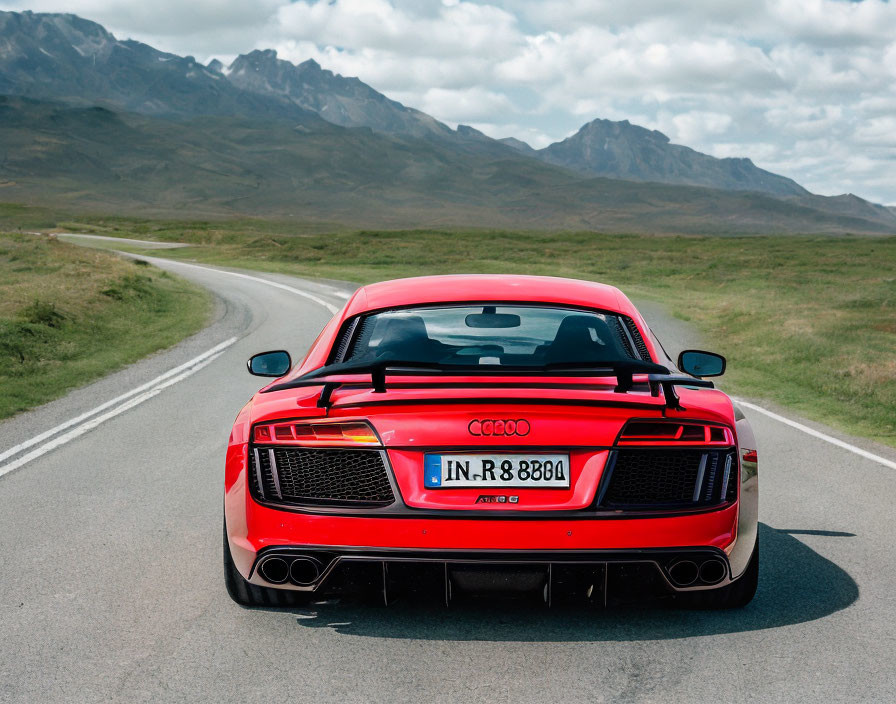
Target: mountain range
[91,121]
[623,150]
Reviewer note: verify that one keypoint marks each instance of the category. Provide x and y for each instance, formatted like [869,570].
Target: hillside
[627,151]
[101,160]
[66,58]
[343,101]
[94,122]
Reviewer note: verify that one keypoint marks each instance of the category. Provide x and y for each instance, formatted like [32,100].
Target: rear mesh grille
[344,340]
[637,479]
[623,338]
[636,336]
[330,477]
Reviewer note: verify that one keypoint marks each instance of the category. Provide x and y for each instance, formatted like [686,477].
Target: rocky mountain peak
[518,144]
[66,58]
[309,65]
[338,99]
[472,132]
[622,129]
[67,34]
[626,151]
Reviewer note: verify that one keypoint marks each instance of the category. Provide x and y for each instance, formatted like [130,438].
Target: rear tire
[246,594]
[732,596]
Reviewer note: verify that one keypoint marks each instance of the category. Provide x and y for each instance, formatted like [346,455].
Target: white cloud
[163,17]
[695,126]
[879,132]
[803,87]
[465,105]
[456,29]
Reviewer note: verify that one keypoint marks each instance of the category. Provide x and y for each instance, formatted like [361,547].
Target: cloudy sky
[806,88]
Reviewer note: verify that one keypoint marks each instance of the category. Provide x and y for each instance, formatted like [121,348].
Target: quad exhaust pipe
[275,570]
[713,571]
[684,573]
[304,571]
[300,570]
[687,573]
[308,570]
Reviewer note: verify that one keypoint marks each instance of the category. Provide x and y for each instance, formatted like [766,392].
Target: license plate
[455,471]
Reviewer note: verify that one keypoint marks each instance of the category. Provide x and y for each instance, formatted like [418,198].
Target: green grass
[69,315]
[808,322]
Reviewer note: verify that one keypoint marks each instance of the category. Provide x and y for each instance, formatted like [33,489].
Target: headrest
[576,329]
[404,329]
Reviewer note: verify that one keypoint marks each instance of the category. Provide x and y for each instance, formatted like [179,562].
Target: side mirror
[699,363]
[275,363]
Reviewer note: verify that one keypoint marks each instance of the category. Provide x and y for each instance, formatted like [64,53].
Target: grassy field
[808,322]
[69,315]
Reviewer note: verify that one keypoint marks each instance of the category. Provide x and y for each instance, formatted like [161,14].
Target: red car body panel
[418,416]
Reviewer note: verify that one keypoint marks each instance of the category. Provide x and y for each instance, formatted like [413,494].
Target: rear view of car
[459,435]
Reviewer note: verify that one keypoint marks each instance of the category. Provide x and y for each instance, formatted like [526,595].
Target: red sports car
[454,435]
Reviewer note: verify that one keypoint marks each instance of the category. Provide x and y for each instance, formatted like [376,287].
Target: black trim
[626,337]
[326,395]
[643,386]
[379,369]
[401,510]
[637,337]
[498,554]
[673,421]
[605,477]
[504,400]
[334,556]
[712,354]
[556,449]
[275,376]
[327,506]
[705,489]
[343,341]
[657,377]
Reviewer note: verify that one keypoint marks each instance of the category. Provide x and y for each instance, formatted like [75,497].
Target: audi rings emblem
[490,427]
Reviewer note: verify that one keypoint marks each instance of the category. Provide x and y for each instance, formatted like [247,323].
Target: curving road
[112,586]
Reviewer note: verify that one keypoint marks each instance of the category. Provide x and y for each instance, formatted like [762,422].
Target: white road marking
[168,245]
[817,434]
[310,296]
[86,422]
[103,406]
[94,422]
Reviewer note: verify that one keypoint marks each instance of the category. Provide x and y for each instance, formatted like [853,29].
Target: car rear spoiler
[658,376]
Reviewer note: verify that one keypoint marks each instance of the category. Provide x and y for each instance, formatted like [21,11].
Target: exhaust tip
[274,570]
[683,573]
[712,571]
[304,571]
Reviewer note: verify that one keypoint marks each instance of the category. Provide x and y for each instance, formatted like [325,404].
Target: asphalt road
[112,587]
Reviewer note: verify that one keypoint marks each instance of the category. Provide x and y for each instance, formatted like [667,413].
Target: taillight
[649,432]
[290,433]
[749,455]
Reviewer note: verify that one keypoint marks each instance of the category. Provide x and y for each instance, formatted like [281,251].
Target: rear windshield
[492,335]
